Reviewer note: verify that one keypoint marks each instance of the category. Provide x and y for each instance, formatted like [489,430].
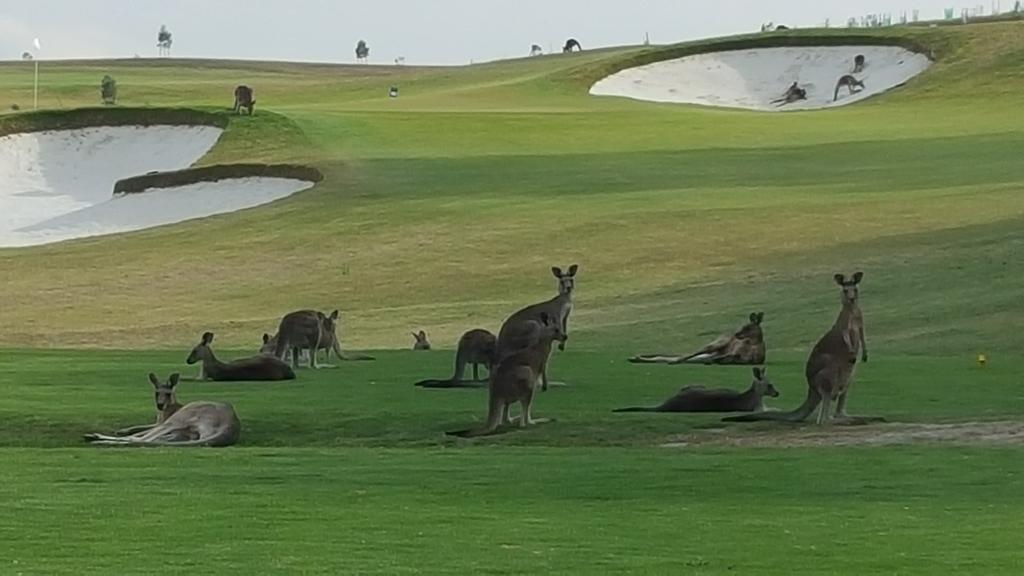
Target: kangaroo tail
[637,409]
[450,383]
[836,95]
[653,359]
[494,412]
[798,415]
[355,357]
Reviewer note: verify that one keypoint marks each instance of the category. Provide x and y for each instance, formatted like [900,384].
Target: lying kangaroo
[516,330]
[421,341]
[746,347]
[194,424]
[792,94]
[858,63]
[701,399]
[244,99]
[255,368]
[850,82]
[329,342]
[515,377]
[476,347]
[829,369]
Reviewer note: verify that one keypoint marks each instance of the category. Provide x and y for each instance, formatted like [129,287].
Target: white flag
[36,44]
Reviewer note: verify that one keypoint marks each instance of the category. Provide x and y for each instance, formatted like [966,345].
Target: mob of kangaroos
[515,377]
[830,366]
[194,424]
[746,346]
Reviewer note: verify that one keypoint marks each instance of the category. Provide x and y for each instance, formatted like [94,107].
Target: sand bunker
[58,185]
[753,78]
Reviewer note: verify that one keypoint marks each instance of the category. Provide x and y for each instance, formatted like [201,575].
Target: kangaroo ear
[573,269]
[266,337]
[334,315]
[423,334]
[154,380]
[857,277]
[556,271]
[757,373]
[753,317]
[207,337]
[760,317]
[840,279]
[173,380]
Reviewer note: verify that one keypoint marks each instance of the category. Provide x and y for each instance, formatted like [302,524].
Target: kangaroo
[792,94]
[570,45]
[829,368]
[858,63]
[746,346]
[850,82]
[515,377]
[329,342]
[476,347]
[421,341]
[516,328]
[701,399]
[244,99]
[255,368]
[194,424]
[298,330]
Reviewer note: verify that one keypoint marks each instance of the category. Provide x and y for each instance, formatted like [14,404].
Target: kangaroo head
[762,385]
[269,342]
[552,328]
[330,322]
[752,329]
[164,391]
[566,280]
[849,287]
[201,350]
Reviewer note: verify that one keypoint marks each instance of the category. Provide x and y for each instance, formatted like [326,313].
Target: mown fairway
[443,210]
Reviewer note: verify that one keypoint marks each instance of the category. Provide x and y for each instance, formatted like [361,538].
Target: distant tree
[108,90]
[362,51]
[400,61]
[164,41]
[536,50]
[27,56]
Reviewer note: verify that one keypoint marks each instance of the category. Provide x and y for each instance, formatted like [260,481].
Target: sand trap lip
[57,185]
[752,78]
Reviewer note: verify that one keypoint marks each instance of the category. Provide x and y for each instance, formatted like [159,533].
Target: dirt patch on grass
[961,433]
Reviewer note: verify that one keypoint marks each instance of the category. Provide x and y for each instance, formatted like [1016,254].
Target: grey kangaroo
[830,366]
[421,340]
[851,83]
[745,346]
[701,399]
[255,368]
[516,328]
[477,347]
[515,377]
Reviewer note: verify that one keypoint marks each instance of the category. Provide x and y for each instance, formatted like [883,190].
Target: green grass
[443,210]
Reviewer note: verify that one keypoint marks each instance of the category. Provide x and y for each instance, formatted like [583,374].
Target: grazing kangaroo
[536,50]
[570,45]
[421,341]
[329,342]
[516,327]
[515,377]
[850,82]
[476,347]
[858,63]
[829,368]
[194,424]
[244,99]
[298,330]
[701,399]
[745,347]
[255,368]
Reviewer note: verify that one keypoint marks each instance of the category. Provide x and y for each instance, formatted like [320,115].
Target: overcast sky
[423,31]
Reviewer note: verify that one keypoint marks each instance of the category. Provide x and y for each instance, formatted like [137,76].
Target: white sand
[59,185]
[753,78]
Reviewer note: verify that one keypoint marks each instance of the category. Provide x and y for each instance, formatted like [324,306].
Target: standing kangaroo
[255,368]
[329,342]
[244,99]
[298,330]
[850,82]
[746,346]
[421,341]
[476,347]
[516,329]
[195,424]
[701,399]
[858,63]
[515,377]
[829,368]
